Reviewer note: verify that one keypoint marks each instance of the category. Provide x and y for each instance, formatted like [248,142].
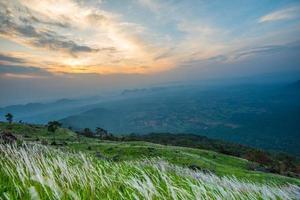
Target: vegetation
[120,151]
[52,126]
[280,163]
[102,134]
[40,172]
[9,117]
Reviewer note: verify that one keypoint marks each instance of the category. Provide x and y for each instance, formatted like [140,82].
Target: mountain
[265,116]
[43,112]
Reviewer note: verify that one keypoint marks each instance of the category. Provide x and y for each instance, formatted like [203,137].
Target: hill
[65,165]
[44,112]
[38,172]
[118,151]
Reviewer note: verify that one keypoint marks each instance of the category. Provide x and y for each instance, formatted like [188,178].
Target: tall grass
[40,172]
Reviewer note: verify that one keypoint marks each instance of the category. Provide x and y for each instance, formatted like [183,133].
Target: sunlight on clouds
[77,35]
[70,36]
[72,62]
[22,76]
[284,14]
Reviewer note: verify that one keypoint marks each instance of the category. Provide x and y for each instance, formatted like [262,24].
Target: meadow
[33,171]
[79,167]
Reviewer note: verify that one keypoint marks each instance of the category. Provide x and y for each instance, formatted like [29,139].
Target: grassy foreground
[220,164]
[38,172]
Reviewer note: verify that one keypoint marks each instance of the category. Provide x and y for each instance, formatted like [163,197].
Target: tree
[101,133]
[87,132]
[9,117]
[53,126]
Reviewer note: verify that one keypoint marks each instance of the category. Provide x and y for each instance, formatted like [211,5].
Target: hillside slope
[220,164]
[38,172]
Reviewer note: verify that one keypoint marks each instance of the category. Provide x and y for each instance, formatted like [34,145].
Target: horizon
[263,79]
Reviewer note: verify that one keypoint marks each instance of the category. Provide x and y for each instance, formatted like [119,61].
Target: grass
[35,171]
[220,164]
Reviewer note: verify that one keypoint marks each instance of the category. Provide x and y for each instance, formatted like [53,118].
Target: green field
[78,167]
[219,164]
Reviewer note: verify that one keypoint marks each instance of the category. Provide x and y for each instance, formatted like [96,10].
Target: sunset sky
[70,45]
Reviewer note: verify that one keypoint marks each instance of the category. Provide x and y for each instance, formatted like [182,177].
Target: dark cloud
[43,38]
[242,53]
[39,38]
[165,54]
[267,50]
[27,17]
[12,59]
[214,59]
[27,70]
[30,19]
[260,50]
[49,39]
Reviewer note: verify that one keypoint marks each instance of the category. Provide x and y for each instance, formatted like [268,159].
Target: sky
[66,48]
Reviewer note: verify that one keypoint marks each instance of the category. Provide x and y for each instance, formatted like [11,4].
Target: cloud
[33,19]
[264,50]
[165,54]
[53,41]
[39,38]
[71,36]
[283,14]
[24,25]
[261,50]
[8,58]
[244,53]
[79,36]
[18,70]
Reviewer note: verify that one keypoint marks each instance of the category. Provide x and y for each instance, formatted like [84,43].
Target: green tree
[9,117]
[101,133]
[87,132]
[53,126]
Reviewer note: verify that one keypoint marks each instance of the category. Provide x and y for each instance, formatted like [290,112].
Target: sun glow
[73,62]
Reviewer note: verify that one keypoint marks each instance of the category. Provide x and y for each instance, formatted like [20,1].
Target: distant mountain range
[261,115]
